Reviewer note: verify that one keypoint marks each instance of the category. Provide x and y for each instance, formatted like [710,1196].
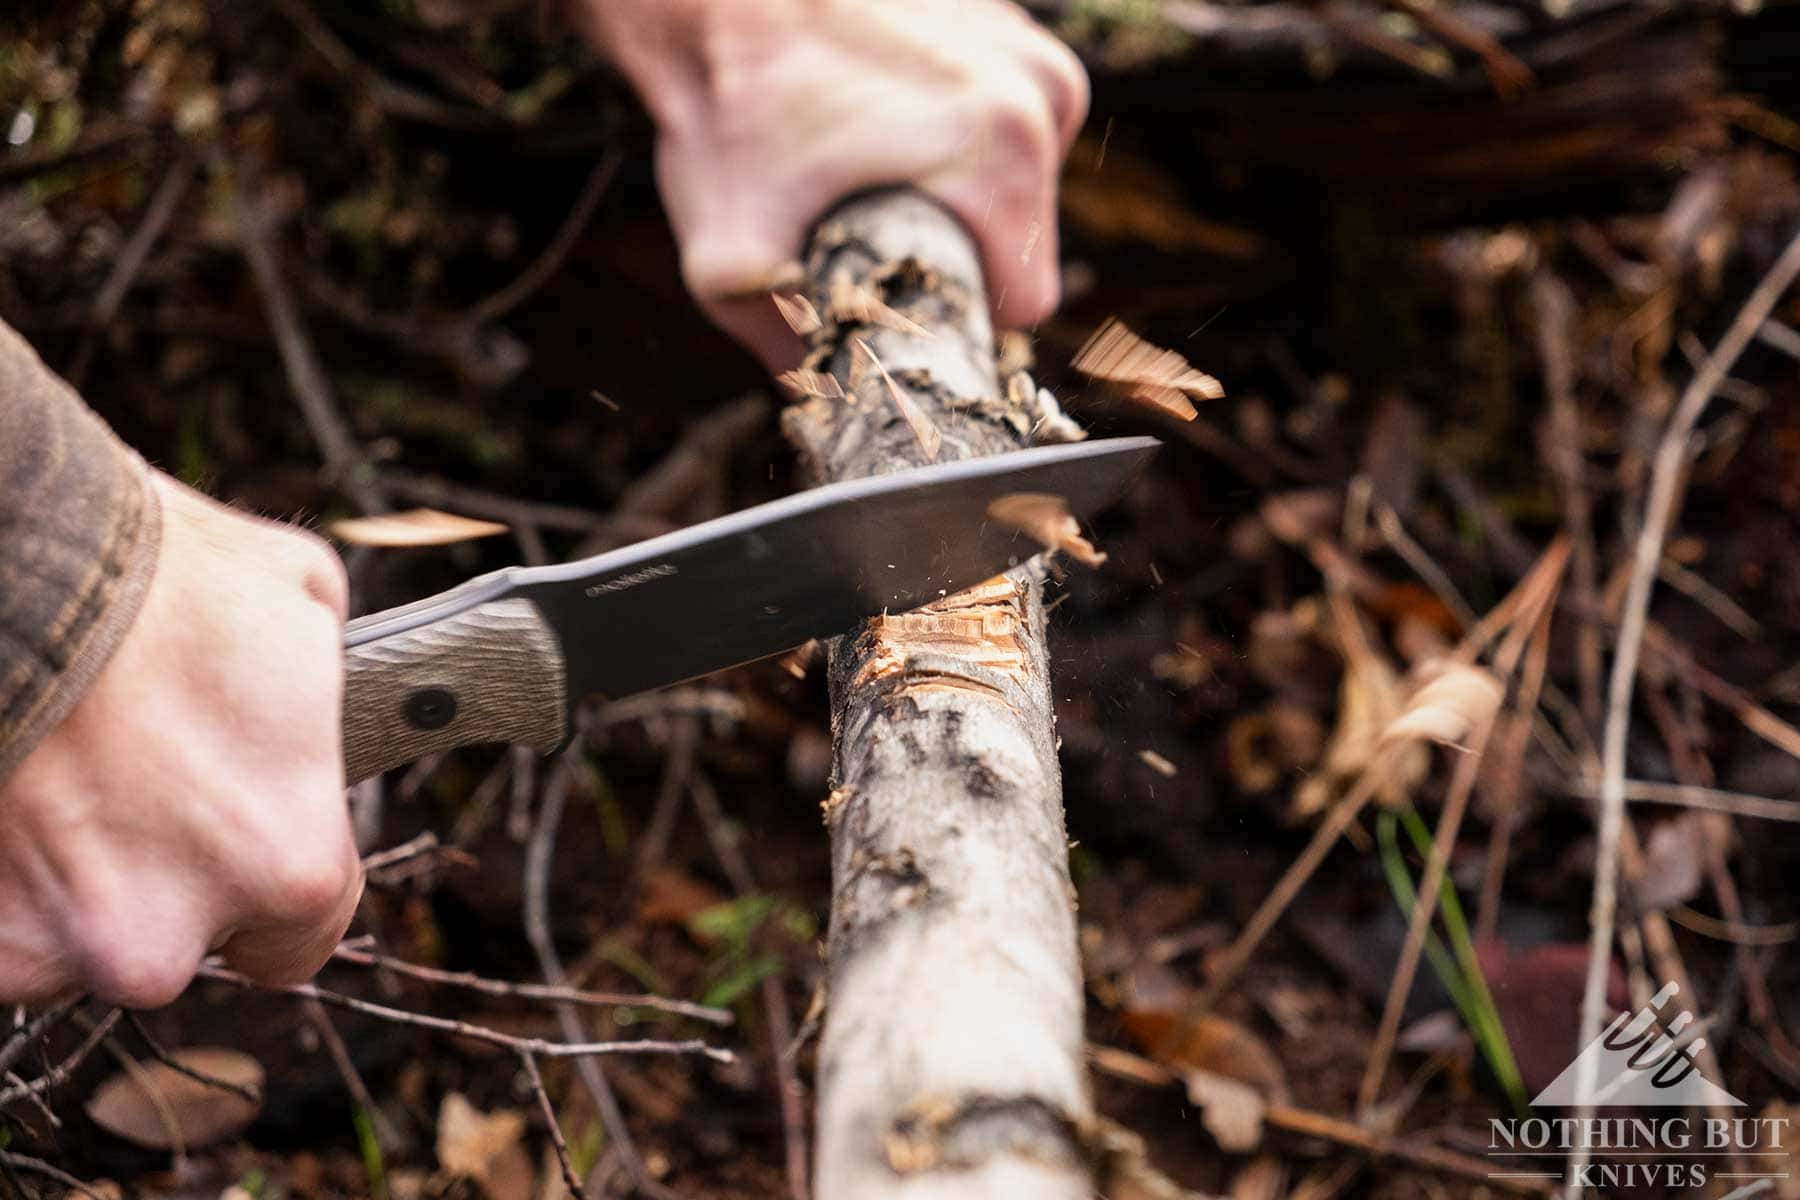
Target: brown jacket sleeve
[79,527]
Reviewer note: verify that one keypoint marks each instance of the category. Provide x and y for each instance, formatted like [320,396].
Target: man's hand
[769,113]
[193,799]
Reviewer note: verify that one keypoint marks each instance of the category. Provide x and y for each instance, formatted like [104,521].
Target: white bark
[951,1061]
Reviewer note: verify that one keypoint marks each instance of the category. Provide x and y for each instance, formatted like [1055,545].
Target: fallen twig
[479,1033]
[1658,514]
[530,991]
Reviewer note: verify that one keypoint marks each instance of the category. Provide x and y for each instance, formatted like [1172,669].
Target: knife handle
[492,673]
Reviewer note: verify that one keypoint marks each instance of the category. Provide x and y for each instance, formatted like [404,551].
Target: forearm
[79,528]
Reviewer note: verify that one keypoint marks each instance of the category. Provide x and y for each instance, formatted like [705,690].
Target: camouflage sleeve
[79,527]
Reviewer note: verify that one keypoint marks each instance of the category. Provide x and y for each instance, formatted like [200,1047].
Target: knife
[506,656]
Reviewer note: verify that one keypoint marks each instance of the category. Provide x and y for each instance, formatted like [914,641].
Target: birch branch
[951,1060]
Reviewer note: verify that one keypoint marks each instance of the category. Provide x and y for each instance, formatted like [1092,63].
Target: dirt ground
[1456,273]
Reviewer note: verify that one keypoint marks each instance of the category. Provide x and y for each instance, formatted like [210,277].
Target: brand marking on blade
[642,575]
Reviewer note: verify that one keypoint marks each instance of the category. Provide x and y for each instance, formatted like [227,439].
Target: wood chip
[852,303]
[1145,372]
[414,527]
[811,385]
[798,312]
[1158,763]
[1046,519]
[930,440]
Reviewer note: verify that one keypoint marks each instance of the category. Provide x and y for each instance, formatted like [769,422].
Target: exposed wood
[951,1061]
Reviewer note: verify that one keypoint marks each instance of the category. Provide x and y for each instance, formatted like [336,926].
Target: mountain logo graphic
[1636,1064]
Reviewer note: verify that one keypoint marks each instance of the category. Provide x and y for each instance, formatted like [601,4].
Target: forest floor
[1457,272]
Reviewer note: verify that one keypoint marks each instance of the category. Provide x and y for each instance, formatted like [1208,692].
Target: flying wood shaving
[1453,702]
[1158,763]
[853,303]
[810,385]
[1145,372]
[798,312]
[930,440]
[1047,520]
[414,527]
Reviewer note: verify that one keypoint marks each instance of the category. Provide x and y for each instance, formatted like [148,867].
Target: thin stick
[385,1134]
[536,888]
[132,256]
[345,462]
[61,1071]
[570,1179]
[775,1005]
[529,991]
[1562,451]
[1658,513]
[174,1064]
[425,843]
[1512,771]
[23,1037]
[551,257]
[37,1166]
[1437,863]
[1403,544]
[479,1033]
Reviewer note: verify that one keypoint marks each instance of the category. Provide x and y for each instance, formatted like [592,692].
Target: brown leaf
[485,1147]
[671,896]
[1145,372]
[201,1113]
[930,440]
[798,312]
[1047,520]
[810,385]
[1206,1042]
[414,527]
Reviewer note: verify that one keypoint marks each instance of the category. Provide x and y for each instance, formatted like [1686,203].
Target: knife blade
[507,655]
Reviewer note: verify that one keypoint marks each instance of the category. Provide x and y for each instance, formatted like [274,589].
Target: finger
[31,973]
[1065,83]
[757,325]
[305,913]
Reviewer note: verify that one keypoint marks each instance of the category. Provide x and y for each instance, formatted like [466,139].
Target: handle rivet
[430,708]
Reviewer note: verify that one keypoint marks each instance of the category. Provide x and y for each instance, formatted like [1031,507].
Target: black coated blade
[769,578]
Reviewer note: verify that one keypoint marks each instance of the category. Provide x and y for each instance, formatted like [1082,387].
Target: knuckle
[322,573]
[134,973]
[312,887]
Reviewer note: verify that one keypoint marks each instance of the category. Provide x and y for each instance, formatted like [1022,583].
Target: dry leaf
[798,312]
[930,440]
[415,527]
[1452,703]
[1144,371]
[1231,1111]
[202,1114]
[1299,517]
[1369,700]
[1673,862]
[857,304]
[485,1147]
[811,385]
[1047,520]
[1261,1179]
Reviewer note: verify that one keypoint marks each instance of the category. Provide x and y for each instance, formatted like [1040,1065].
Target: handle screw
[430,708]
